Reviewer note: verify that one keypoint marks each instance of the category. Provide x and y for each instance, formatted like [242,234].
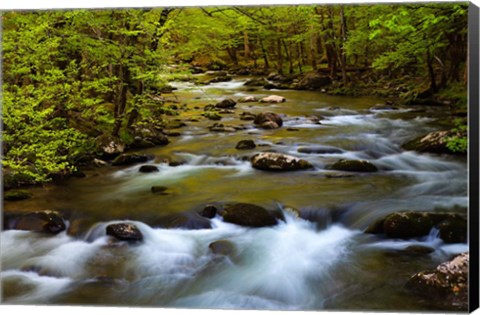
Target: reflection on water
[325,264]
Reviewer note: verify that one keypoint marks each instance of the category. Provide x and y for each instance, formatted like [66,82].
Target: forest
[72,79]
[300,157]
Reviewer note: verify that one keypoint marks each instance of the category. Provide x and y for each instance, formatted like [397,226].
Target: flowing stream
[321,260]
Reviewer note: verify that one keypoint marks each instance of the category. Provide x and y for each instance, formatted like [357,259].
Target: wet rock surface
[410,224]
[268,120]
[47,221]
[124,232]
[445,286]
[353,166]
[271,161]
[129,159]
[248,215]
[245,145]
[434,142]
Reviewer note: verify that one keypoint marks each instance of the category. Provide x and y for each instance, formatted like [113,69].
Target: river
[320,260]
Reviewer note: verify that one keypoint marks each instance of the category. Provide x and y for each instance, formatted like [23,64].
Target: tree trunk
[266,66]
[246,46]
[343,56]
[431,73]
[279,57]
[121,99]
[158,33]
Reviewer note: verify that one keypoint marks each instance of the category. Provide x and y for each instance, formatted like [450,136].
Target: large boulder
[273,99]
[433,142]
[263,119]
[313,81]
[226,103]
[47,221]
[353,166]
[124,232]
[270,161]
[248,215]
[129,159]
[409,224]
[446,286]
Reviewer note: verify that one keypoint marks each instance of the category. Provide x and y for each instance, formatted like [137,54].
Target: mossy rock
[407,225]
[248,215]
[433,142]
[245,145]
[212,115]
[353,166]
[270,161]
[16,195]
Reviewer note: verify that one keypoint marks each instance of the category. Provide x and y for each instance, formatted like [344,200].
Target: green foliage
[459,142]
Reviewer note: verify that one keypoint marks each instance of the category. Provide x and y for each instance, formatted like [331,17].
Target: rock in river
[446,285]
[226,103]
[125,232]
[247,99]
[129,159]
[433,142]
[248,215]
[245,145]
[47,221]
[270,161]
[353,166]
[409,224]
[263,120]
[222,247]
[273,99]
[148,169]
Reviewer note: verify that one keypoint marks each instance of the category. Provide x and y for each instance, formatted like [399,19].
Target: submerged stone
[222,247]
[16,195]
